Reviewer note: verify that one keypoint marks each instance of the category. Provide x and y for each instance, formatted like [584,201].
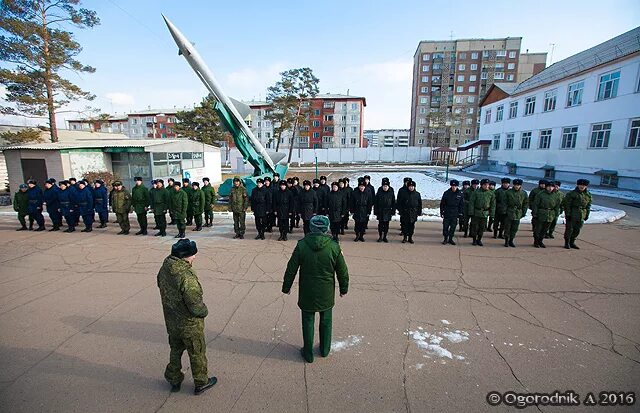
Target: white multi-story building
[387,137]
[579,118]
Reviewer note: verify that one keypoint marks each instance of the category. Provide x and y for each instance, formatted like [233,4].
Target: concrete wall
[14,165]
[212,169]
[81,162]
[346,156]
[4,175]
[581,160]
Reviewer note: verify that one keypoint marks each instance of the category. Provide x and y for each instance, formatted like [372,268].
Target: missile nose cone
[178,37]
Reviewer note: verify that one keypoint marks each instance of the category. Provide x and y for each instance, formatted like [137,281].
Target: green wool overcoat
[179,204]
[517,204]
[544,206]
[482,204]
[140,199]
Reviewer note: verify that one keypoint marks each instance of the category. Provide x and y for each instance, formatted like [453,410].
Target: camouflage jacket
[121,201]
[481,204]
[238,199]
[181,294]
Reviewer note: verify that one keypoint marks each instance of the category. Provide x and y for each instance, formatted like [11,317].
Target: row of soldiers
[71,199]
[505,206]
[283,203]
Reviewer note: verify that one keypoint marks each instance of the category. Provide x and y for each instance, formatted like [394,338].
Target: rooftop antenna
[451,35]
[553,47]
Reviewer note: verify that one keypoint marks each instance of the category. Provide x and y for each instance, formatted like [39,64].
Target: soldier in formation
[283,207]
[544,208]
[197,202]
[410,209]
[577,207]
[451,210]
[209,201]
[307,205]
[481,206]
[140,201]
[238,204]
[384,208]
[361,203]
[21,206]
[501,208]
[336,209]
[50,195]
[517,203]
[560,195]
[179,205]
[261,205]
[101,202]
[85,205]
[159,203]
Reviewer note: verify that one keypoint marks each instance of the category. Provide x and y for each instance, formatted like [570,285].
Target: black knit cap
[267,179]
[492,183]
[160,181]
[361,182]
[334,183]
[186,180]
[205,179]
[505,180]
[184,248]
[557,183]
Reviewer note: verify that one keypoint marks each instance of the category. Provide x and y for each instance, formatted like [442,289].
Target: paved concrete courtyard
[424,327]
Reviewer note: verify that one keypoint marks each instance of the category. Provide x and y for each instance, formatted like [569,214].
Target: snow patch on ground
[433,343]
[350,341]
[445,322]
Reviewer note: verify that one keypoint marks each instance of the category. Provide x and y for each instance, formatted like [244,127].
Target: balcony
[435,103]
[436,81]
[438,59]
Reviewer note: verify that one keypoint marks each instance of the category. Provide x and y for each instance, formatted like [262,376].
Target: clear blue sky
[364,46]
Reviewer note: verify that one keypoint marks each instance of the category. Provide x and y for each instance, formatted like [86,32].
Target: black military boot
[404,239]
[479,241]
[357,238]
[379,236]
[200,389]
[102,225]
[567,245]
[87,229]
[22,228]
[573,245]
[511,244]
[541,243]
[506,242]
[550,235]
[500,235]
[474,241]
[444,241]
[495,234]
[384,236]
[139,232]
[39,229]
[262,234]
[466,235]
[159,234]
[536,243]
[198,228]
[55,228]
[450,241]
[258,235]
[410,239]
[180,234]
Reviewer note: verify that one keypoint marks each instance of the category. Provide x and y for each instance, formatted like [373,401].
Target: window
[258,135]
[316,123]
[462,56]
[498,75]
[499,113]
[316,135]
[435,79]
[459,89]
[510,77]
[569,137]
[354,118]
[438,56]
[353,141]
[328,105]
[487,116]
[327,139]
[425,68]
[423,110]
[470,111]
[426,57]
[600,135]
[423,100]
[468,121]
[458,99]
[471,99]
[509,142]
[425,79]
[474,55]
[328,118]
[420,141]
[511,66]
[437,66]
[499,66]
[501,53]
[460,78]
[343,141]
[545,139]
[467,131]
[550,100]
[461,67]
[473,78]
[354,129]
[328,129]
[634,134]
[512,55]
[421,131]
[496,142]
[574,96]
[485,53]
[483,75]
[472,89]
[422,121]
[608,87]
[525,140]
[513,110]
[609,180]
[354,106]
[529,105]
[316,112]
[474,67]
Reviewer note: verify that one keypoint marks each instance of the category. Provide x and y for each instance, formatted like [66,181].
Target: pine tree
[201,124]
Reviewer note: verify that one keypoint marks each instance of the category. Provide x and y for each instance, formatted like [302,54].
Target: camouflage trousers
[123,221]
[196,347]
[239,222]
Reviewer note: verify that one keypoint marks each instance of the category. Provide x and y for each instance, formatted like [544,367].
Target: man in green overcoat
[170,183]
[542,184]
[238,204]
[517,205]
[121,204]
[21,206]
[140,201]
[482,205]
[320,261]
[186,187]
[577,207]
[160,204]
[560,195]
[544,208]
[184,313]
[197,204]
[209,200]
[178,207]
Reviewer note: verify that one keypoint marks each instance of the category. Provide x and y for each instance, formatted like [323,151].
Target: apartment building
[579,118]
[147,124]
[335,121]
[387,137]
[450,78]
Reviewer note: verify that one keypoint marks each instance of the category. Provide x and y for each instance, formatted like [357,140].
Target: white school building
[579,118]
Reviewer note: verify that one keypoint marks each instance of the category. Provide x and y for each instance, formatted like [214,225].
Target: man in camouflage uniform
[160,204]
[238,204]
[170,184]
[209,200]
[490,225]
[121,204]
[482,204]
[560,195]
[197,204]
[577,207]
[466,195]
[517,205]
[544,208]
[184,313]
[178,205]
[501,207]
[140,201]
[542,184]
[320,261]
[186,187]
[21,206]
